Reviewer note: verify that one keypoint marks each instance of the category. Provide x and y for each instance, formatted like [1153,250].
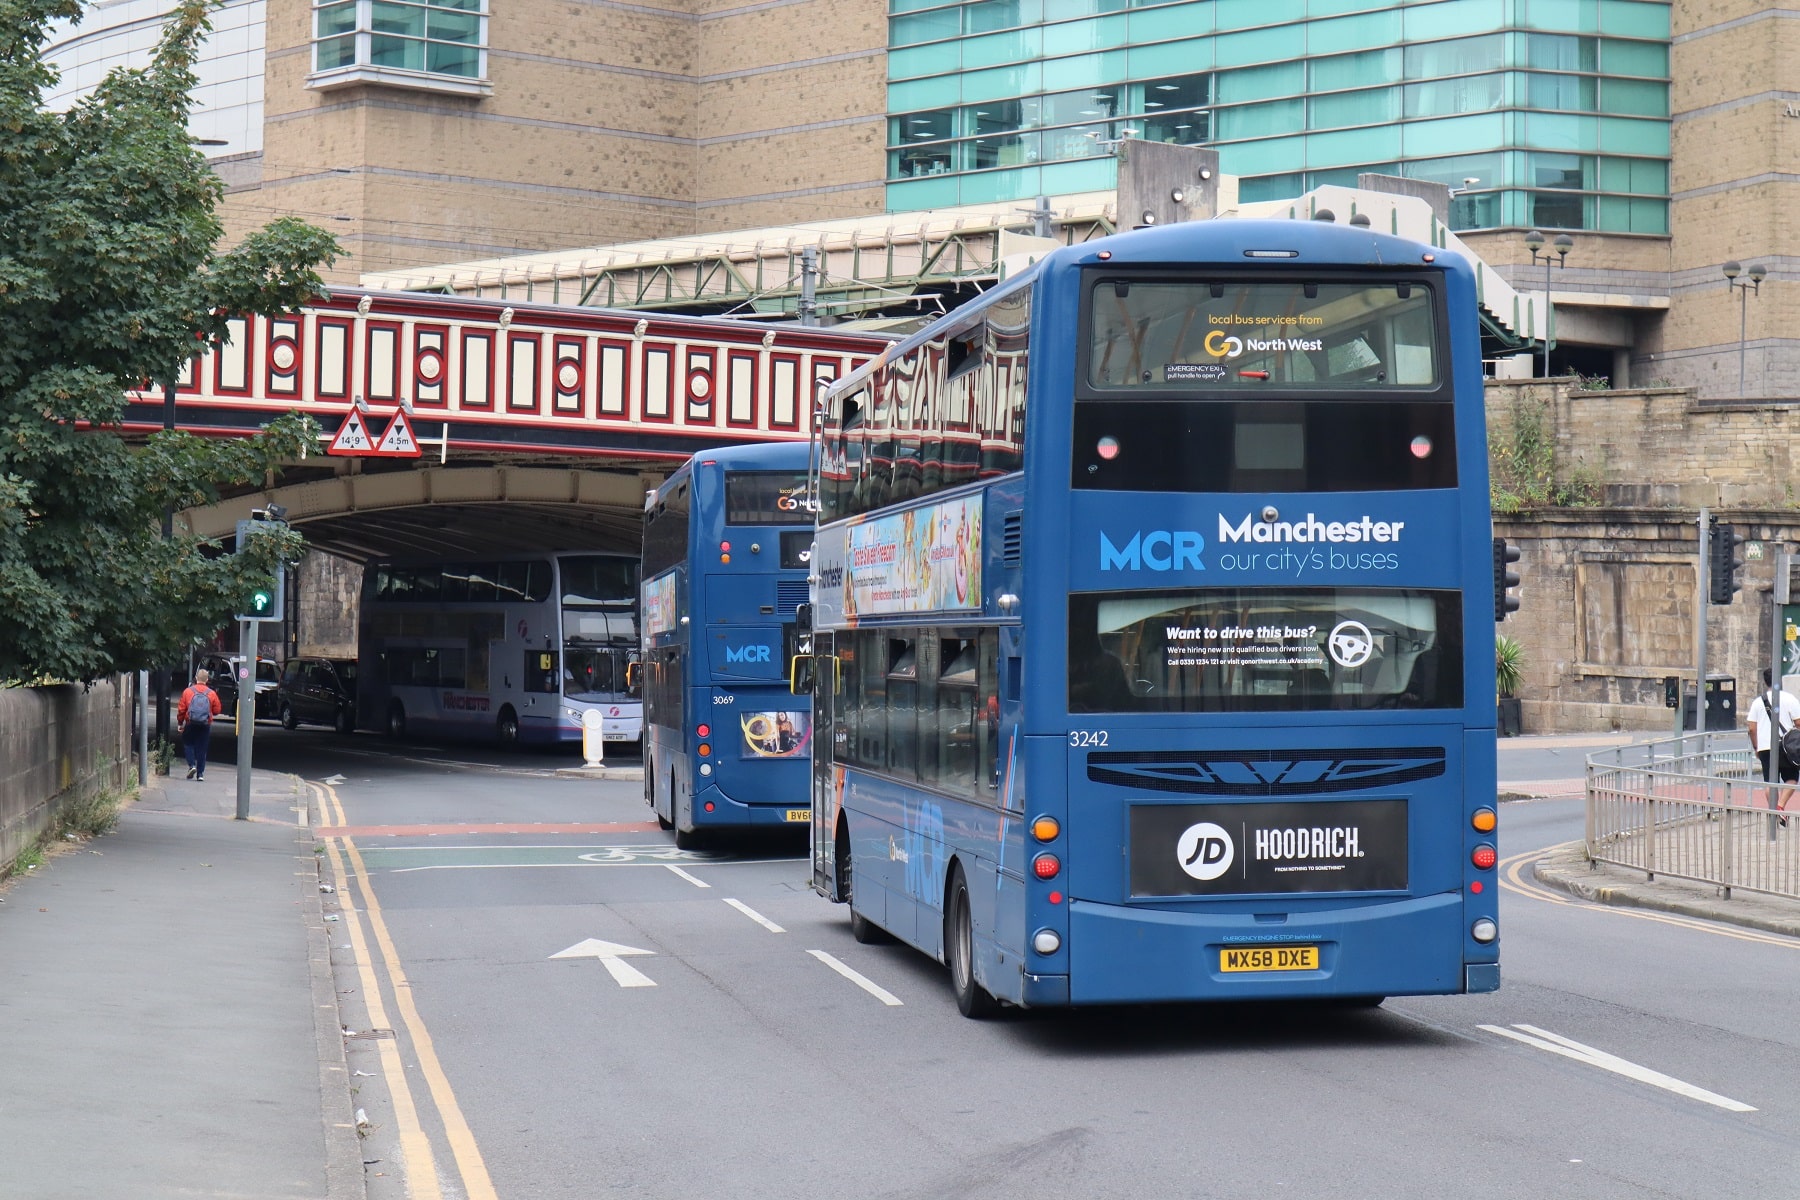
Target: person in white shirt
[1762,738]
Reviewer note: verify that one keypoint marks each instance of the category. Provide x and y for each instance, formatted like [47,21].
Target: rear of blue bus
[1260,713]
[751,737]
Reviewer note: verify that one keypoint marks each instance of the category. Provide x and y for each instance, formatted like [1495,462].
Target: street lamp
[1757,272]
[1534,241]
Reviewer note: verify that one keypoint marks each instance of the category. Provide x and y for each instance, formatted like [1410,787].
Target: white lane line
[882,994]
[686,876]
[1555,1043]
[767,924]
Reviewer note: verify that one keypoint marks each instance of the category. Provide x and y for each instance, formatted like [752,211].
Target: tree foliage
[111,278]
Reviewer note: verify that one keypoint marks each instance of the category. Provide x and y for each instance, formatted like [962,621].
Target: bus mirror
[800,675]
[803,618]
[632,672]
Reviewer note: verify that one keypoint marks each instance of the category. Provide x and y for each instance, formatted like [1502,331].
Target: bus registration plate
[798,814]
[1269,958]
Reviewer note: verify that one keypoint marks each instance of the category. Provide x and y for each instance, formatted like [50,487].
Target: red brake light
[1046,866]
[704,731]
[1484,857]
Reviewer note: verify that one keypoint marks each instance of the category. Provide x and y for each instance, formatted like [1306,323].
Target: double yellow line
[1512,878]
[422,1179]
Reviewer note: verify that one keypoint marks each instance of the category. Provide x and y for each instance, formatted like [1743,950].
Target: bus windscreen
[1201,335]
[1265,650]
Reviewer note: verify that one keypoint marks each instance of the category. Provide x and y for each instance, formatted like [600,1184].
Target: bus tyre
[288,720]
[959,951]
[507,728]
[396,722]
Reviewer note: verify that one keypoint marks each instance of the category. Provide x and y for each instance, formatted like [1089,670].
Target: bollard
[593,738]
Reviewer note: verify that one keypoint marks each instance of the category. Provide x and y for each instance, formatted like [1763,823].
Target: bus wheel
[396,722]
[959,952]
[508,727]
[687,839]
[288,720]
[865,931]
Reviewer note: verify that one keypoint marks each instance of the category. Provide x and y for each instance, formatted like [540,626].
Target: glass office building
[1544,113]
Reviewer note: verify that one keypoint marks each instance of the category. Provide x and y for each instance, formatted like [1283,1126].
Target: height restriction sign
[398,440]
[352,438]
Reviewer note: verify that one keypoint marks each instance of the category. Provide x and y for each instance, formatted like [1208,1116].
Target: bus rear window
[1207,335]
[1265,650]
[1263,446]
[766,498]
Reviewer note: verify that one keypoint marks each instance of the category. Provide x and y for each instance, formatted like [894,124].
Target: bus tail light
[1046,866]
[1046,941]
[704,731]
[1484,820]
[1485,857]
[1484,930]
[705,749]
[1045,829]
[724,552]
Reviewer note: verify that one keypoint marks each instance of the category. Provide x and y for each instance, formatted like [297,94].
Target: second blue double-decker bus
[727,540]
[1151,609]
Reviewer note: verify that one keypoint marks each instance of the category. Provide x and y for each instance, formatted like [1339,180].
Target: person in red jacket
[199,705]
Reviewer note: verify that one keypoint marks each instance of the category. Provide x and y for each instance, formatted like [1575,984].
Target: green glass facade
[1556,110]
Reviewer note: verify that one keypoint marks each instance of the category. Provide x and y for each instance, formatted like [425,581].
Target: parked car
[224,681]
[317,691]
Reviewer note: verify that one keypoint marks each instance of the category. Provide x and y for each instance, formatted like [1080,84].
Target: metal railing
[1693,807]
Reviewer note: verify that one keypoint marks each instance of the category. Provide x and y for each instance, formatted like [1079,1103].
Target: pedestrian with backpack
[199,705]
[1784,739]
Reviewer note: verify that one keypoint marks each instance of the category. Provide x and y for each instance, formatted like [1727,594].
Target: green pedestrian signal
[266,600]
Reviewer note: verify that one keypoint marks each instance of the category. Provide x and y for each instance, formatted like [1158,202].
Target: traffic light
[266,599]
[1724,560]
[1505,579]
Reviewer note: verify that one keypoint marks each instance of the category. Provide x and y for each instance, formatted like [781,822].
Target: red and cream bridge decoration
[551,406]
[515,376]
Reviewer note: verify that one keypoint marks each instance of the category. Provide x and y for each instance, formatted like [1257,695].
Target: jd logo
[1204,851]
[746,654]
[1155,550]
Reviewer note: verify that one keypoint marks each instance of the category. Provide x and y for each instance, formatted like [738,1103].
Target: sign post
[246,711]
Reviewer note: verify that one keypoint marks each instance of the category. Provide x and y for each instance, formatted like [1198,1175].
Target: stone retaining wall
[59,743]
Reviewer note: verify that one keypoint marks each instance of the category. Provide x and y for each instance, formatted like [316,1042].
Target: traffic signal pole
[246,712]
[1702,596]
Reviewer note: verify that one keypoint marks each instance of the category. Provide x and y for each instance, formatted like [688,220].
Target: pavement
[168,1024]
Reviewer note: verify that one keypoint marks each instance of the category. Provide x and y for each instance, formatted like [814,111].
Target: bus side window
[871,745]
[903,710]
[540,671]
[957,732]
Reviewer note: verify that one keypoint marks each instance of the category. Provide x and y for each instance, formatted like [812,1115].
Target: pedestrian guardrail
[1694,807]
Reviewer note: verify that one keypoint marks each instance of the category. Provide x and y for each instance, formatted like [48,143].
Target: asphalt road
[1627,1054]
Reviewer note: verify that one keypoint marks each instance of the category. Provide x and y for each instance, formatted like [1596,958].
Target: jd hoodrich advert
[1225,849]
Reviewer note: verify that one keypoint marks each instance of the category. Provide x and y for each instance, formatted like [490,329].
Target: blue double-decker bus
[727,540]
[1150,603]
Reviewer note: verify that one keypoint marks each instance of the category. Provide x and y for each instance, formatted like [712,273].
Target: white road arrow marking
[611,956]
[767,924]
[1555,1043]
[334,780]
[882,994]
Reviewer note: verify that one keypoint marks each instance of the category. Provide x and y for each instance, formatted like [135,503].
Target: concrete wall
[58,743]
[330,588]
[1609,593]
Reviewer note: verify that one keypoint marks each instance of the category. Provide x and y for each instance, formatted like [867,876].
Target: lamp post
[1534,241]
[1754,284]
